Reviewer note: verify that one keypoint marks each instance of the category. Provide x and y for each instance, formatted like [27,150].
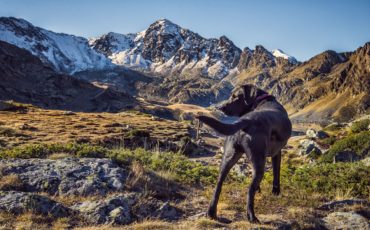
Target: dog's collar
[258,100]
[262,97]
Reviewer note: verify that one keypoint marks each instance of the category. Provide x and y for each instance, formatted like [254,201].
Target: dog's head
[241,100]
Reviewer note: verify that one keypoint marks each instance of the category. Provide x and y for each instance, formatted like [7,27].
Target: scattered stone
[346,156]
[341,203]
[150,207]
[114,210]
[67,176]
[366,161]
[241,169]
[69,113]
[307,146]
[345,220]
[5,106]
[22,202]
[311,133]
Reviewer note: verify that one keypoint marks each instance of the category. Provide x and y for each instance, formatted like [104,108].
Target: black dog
[262,130]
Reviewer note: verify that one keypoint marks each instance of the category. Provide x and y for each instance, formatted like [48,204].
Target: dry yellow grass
[10,182]
[51,126]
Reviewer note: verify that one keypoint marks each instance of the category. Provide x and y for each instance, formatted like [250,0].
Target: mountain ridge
[169,63]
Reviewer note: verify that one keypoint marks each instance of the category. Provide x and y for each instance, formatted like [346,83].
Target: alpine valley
[170,64]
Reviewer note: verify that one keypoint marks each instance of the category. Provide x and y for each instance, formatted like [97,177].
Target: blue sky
[300,28]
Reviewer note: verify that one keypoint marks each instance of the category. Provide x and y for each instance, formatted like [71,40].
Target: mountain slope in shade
[24,78]
[66,53]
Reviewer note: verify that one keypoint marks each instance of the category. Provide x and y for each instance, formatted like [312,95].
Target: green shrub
[7,132]
[354,142]
[184,170]
[138,133]
[359,126]
[333,127]
[329,178]
[329,140]
[346,113]
[44,150]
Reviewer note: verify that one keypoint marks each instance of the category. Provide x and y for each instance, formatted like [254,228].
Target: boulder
[311,133]
[5,106]
[346,156]
[308,146]
[22,202]
[113,210]
[345,220]
[68,176]
[150,207]
[341,203]
[124,209]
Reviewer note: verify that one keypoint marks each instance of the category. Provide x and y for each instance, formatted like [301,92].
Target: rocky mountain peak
[66,53]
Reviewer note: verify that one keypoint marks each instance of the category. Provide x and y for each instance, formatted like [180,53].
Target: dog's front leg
[276,162]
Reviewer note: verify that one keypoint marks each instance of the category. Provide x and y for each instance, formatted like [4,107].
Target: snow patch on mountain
[166,48]
[279,53]
[66,53]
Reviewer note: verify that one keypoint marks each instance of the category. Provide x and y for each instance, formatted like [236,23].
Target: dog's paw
[211,214]
[276,191]
[252,218]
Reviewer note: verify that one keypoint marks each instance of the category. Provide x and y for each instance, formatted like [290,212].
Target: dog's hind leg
[258,163]
[229,159]
[276,162]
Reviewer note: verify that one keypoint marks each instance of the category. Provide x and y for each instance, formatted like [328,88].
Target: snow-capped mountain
[66,53]
[166,48]
[280,53]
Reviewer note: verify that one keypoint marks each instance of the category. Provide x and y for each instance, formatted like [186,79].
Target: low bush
[329,179]
[357,143]
[184,170]
[359,126]
[44,150]
[138,133]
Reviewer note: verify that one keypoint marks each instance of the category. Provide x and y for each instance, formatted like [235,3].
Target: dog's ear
[250,93]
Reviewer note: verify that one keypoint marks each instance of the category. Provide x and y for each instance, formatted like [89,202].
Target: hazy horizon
[301,29]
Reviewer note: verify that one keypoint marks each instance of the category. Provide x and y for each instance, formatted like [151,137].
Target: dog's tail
[223,128]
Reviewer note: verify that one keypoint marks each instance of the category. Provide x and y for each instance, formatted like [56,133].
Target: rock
[114,210]
[311,133]
[153,208]
[346,156]
[308,146]
[241,169]
[345,220]
[67,176]
[166,211]
[22,202]
[366,161]
[341,203]
[5,106]
[68,113]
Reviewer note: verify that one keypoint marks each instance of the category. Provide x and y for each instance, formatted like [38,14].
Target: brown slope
[323,87]
[24,78]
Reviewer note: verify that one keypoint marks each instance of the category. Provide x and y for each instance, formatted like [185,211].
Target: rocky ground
[48,180]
